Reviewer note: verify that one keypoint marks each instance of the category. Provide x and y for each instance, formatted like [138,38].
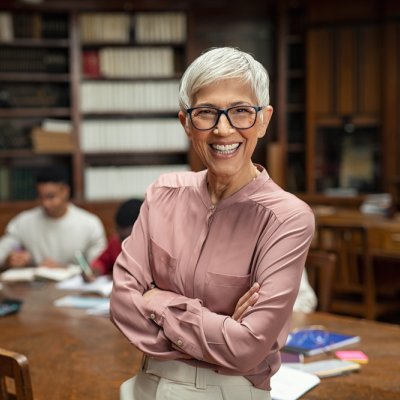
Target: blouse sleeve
[132,277]
[173,326]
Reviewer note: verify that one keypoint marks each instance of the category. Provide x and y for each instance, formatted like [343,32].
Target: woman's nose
[223,126]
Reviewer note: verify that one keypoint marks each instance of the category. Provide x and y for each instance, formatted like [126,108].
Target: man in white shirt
[52,232]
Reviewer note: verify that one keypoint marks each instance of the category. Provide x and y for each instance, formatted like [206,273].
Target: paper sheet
[291,384]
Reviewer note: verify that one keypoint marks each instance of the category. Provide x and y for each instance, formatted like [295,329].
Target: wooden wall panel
[370,70]
[345,81]
[320,70]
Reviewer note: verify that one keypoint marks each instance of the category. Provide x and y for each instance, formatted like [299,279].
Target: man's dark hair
[127,213]
[52,174]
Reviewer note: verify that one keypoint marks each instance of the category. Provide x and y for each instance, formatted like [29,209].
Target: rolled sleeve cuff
[155,308]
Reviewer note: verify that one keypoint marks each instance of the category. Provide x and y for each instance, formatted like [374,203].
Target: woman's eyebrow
[234,104]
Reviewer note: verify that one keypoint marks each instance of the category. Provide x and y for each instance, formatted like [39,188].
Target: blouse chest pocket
[163,267]
[222,292]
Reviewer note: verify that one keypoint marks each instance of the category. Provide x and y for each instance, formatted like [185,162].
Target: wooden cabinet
[344,113]
[352,118]
[345,74]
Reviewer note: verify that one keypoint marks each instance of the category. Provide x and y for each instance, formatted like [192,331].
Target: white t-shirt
[306,300]
[55,238]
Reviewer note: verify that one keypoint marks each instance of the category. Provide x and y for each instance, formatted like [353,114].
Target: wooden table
[72,355]
[76,356]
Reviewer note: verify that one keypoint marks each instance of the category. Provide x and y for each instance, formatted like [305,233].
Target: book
[327,368]
[316,341]
[352,355]
[39,273]
[291,384]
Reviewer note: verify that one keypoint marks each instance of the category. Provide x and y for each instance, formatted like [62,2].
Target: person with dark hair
[125,217]
[51,233]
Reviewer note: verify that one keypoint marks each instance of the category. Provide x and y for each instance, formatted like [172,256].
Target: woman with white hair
[206,282]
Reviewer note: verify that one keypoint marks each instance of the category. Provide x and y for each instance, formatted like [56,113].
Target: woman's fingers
[246,301]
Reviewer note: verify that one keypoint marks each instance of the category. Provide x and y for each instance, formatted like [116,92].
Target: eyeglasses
[240,117]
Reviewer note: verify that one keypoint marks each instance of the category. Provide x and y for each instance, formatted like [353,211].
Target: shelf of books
[94,91]
[34,88]
[131,65]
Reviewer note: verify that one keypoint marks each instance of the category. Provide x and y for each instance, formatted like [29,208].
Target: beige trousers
[175,380]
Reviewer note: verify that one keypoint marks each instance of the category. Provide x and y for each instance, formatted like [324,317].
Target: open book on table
[39,273]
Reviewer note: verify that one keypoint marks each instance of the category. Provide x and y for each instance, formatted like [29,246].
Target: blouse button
[153,316]
[179,342]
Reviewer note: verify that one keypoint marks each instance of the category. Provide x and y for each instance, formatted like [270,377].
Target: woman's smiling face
[226,151]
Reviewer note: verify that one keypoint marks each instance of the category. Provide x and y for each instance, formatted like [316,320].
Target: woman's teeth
[225,148]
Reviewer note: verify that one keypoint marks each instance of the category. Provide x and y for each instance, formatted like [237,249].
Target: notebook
[291,384]
[313,341]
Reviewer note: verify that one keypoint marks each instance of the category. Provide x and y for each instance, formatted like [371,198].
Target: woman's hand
[149,294]
[246,301]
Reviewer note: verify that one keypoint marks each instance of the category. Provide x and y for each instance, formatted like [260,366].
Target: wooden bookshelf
[306,94]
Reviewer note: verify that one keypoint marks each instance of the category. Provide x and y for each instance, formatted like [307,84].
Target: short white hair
[219,64]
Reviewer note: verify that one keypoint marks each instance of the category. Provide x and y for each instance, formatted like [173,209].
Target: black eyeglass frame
[225,112]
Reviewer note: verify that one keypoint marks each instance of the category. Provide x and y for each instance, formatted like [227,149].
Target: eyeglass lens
[241,117]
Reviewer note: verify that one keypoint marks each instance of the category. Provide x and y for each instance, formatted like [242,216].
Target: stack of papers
[92,305]
[101,285]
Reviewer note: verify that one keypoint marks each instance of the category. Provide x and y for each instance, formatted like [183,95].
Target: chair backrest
[320,266]
[15,380]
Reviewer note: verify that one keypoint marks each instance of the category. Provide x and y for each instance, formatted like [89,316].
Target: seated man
[125,217]
[52,232]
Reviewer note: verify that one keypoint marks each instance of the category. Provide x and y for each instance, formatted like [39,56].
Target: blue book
[316,341]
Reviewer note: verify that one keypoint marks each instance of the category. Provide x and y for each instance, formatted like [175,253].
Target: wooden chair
[15,380]
[355,291]
[320,267]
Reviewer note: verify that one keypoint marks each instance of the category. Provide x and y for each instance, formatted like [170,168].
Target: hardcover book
[316,341]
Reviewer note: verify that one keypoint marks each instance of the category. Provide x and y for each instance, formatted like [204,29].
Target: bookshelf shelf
[34,112]
[132,79]
[133,114]
[137,154]
[99,45]
[40,42]
[33,77]
[21,153]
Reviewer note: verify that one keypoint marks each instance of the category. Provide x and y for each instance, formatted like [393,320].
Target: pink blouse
[204,258]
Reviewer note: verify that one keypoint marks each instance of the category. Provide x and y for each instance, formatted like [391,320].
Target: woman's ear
[184,120]
[266,115]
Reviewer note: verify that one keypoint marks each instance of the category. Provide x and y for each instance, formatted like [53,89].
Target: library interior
[91,87]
